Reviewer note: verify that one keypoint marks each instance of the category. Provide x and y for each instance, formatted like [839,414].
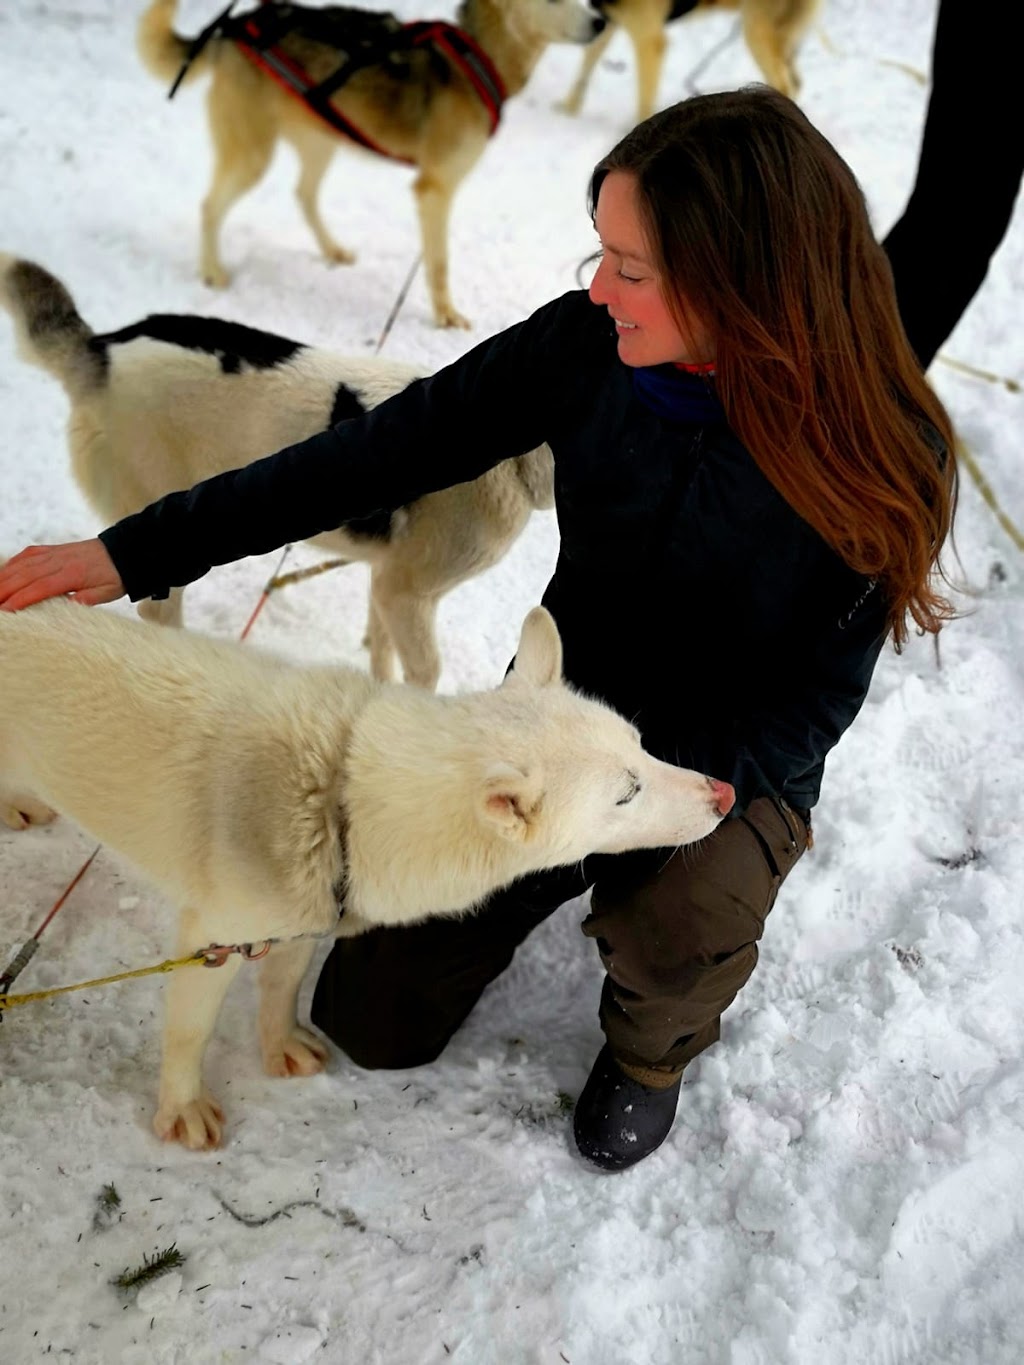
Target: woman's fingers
[81,569]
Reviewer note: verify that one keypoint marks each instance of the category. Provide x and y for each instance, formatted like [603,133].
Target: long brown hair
[758,224]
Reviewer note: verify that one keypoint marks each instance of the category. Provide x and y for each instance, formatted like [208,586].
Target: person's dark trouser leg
[968,177]
[679,945]
[393,997]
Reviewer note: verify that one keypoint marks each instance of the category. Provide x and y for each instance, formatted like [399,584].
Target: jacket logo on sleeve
[844,621]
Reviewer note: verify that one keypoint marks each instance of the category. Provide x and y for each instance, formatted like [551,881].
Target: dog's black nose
[599,24]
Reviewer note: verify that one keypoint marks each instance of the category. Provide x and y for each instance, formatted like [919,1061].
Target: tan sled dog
[773,30]
[261,796]
[173,399]
[422,109]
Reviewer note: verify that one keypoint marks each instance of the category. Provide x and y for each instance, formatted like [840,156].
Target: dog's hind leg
[409,619]
[243,141]
[592,54]
[164,611]
[315,153]
[186,1111]
[287,1048]
[434,190]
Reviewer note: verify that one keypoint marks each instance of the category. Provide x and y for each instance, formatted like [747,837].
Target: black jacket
[689,595]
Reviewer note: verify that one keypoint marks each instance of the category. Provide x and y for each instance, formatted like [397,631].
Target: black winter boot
[618,1121]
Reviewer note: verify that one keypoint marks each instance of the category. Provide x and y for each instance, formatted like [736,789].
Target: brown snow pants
[677,933]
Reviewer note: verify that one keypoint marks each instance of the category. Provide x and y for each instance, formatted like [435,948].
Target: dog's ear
[509,801]
[539,656]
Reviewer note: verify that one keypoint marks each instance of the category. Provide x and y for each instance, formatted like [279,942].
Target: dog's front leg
[20,811]
[288,1049]
[772,50]
[592,54]
[187,1112]
[649,44]
[243,135]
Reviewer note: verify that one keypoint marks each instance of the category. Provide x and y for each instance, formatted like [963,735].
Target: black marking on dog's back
[233,344]
[346,405]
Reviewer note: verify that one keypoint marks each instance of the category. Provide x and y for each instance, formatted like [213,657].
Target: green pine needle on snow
[151,1269]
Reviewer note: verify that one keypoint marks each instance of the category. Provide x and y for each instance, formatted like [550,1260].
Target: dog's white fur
[440,126]
[149,417]
[249,790]
[773,30]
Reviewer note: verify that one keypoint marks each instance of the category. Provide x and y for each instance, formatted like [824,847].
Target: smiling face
[629,285]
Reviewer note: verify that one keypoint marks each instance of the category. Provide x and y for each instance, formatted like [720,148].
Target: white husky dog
[170,400]
[263,798]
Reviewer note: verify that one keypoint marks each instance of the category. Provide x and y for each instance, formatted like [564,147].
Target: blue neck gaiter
[677,395]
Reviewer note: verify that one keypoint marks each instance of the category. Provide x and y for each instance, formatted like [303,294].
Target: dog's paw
[216,277]
[22,812]
[297,1054]
[339,255]
[447,316]
[197,1124]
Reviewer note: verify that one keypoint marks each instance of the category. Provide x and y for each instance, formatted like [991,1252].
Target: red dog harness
[257,34]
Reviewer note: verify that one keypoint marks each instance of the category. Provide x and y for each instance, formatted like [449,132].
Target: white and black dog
[173,399]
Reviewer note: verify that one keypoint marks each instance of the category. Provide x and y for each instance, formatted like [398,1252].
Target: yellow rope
[297,575]
[1011,385]
[907,70]
[8,1002]
[985,489]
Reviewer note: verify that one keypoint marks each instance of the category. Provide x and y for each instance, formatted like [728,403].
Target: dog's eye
[634,787]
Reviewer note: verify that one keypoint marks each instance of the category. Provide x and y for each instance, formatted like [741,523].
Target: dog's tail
[163,51]
[48,327]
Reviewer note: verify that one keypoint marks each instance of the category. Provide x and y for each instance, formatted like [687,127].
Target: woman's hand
[81,570]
